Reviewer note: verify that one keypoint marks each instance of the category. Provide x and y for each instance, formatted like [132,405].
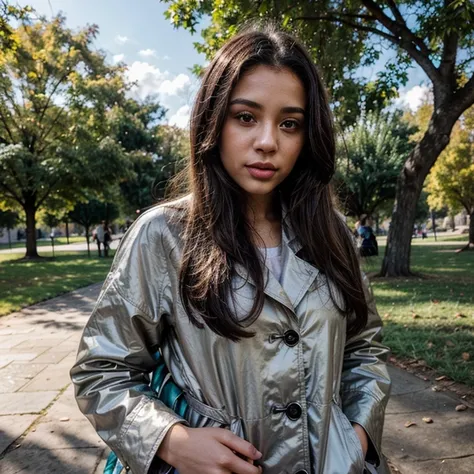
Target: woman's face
[264,131]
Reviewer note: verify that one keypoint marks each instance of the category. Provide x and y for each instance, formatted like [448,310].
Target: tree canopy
[370,155]
[451,180]
[56,90]
[343,35]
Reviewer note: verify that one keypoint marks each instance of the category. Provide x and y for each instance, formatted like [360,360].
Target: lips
[261,170]
[262,166]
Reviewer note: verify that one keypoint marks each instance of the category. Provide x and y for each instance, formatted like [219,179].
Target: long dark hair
[217,235]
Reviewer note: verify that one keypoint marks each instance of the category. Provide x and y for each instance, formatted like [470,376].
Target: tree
[55,93]
[154,168]
[50,220]
[451,180]
[10,12]
[134,126]
[342,35]
[8,220]
[370,155]
[91,213]
[174,151]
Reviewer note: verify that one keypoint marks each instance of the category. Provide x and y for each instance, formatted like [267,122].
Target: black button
[302,471]
[293,411]
[291,338]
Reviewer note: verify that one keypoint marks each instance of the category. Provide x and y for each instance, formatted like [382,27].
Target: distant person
[424,232]
[107,239]
[99,236]
[368,244]
[356,229]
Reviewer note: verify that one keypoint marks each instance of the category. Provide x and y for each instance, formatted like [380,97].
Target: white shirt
[273,260]
[99,231]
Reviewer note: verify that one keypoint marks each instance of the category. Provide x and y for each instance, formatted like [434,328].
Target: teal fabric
[169,394]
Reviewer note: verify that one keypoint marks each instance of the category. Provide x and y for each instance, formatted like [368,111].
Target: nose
[266,140]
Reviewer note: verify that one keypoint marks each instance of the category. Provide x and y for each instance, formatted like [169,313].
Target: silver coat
[292,390]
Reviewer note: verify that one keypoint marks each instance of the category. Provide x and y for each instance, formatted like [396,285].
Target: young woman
[250,288]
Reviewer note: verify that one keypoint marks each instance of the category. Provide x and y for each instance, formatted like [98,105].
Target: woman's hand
[363,438]
[209,450]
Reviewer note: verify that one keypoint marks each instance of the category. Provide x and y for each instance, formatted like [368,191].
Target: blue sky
[157,55]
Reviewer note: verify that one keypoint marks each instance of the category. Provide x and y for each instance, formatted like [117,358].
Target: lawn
[23,283]
[47,242]
[431,318]
[428,318]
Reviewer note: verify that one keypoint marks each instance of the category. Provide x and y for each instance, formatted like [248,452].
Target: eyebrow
[255,105]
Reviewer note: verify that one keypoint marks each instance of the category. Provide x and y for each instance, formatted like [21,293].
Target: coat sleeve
[365,386]
[115,357]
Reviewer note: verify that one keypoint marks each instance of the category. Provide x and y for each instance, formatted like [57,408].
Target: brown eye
[290,124]
[245,117]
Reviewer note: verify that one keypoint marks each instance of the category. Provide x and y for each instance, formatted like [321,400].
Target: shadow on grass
[442,346]
[26,283]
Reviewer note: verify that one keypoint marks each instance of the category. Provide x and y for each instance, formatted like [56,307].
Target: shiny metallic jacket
[292,390]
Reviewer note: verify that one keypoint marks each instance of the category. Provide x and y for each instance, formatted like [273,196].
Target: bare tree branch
[47,193]
[55,87]
[461,199]
[448,59]
[411,43]
[8,192]
[464,63]
[43,136]
[398,29]
[358,17]
[396,12]
[15,175]
[5,124]
[463,97]
[336,19]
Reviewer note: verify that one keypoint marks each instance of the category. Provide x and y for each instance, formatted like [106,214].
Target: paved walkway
[42,430]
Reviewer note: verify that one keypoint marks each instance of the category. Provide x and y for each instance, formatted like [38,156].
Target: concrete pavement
[43,432]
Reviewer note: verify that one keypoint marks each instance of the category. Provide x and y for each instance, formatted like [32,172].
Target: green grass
[45,243]
[431,318]
[23,283]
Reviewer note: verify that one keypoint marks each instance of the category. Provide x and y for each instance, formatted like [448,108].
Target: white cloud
[181,117]
[166,58]
[151,81]
[146,53]
[121,39]
[413,97]
[175,86]
[118,58]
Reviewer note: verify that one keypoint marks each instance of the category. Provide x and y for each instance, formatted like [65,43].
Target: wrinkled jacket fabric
[292,390]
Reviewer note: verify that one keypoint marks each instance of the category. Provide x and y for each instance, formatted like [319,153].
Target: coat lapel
[297,275]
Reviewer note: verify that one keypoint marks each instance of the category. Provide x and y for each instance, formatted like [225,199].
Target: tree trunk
[396,261]
[9,238]
[30,211]
[471,229]
[470,244]
[67,230]
[88,243]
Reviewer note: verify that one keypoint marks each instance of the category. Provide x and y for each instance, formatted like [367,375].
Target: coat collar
[297,275]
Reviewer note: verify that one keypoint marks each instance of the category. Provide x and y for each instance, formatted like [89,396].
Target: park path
[42,430]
